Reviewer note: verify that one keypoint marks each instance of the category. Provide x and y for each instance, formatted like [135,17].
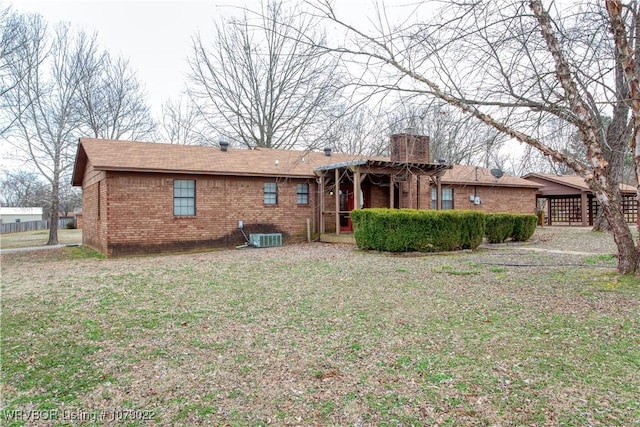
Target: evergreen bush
[524,225]
[499,226]
[402,230]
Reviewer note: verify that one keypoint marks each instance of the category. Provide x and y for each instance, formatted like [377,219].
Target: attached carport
[567,200]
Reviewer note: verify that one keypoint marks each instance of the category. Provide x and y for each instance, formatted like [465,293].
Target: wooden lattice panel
[565,211]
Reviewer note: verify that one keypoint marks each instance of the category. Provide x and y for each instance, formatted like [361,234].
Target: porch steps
[345,238]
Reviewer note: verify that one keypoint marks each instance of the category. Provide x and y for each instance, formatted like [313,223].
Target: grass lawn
[320,335]
[39,238]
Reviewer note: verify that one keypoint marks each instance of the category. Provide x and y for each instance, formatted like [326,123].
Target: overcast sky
[155,35]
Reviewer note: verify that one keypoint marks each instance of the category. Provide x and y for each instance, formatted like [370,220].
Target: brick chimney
[409,148]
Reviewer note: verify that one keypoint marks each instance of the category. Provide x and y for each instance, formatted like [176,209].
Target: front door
[346,206]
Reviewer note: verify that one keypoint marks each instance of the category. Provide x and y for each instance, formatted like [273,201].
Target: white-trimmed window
[184,197]
[270,193]
[302,194]
[446,198]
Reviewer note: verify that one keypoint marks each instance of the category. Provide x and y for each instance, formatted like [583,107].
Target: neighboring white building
[8,214]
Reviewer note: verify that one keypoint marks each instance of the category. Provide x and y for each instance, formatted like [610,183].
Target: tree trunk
[614,154]
[617,140]
[628,253]
[53,214]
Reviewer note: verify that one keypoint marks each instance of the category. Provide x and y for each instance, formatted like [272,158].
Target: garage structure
[567,200]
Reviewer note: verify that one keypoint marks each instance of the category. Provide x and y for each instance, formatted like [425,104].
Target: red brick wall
[379,197]
[404,147]
[136,210]
[495,199]
[140,211]
[414,195]
[94,224]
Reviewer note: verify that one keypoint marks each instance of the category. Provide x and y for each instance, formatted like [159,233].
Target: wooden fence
[18,227]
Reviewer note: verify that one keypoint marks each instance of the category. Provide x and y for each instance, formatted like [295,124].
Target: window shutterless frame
[270,193]
[302,194]
[184,197]
[446,198]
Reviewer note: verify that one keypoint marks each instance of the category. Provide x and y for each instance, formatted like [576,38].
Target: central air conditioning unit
[265,240]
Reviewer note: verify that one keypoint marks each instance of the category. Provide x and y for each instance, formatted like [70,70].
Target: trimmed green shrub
[499,226]
[524,225]
[402,230]
[472,228]
[518,227]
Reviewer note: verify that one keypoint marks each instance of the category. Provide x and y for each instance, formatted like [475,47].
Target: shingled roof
[471,175]
[573,181]
[133,156]
[116,155]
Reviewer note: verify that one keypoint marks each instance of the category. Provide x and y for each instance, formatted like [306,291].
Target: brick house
[476,188]
[143,197]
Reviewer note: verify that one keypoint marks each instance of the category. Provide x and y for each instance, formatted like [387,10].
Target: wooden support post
[392,185]
[584,208]
[356,187]
[438,194]
[321,201]
[409,182]
[336,192]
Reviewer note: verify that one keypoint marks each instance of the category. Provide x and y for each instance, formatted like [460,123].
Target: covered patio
[361,184]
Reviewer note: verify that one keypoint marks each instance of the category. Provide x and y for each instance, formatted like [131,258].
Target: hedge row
[518,227]
[403,230]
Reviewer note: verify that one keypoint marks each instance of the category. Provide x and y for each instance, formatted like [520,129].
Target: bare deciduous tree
[181,123]
[16,32]
[45,106]
[355,129]
[60,92]
[112,99]
[259,85]
[70,198]
[23,189]
[513,66]
[454,137]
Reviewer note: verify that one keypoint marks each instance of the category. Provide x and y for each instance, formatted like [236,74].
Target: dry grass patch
[324,334]
[39,238]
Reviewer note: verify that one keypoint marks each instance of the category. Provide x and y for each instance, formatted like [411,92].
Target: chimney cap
[224,145]
[327,151]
